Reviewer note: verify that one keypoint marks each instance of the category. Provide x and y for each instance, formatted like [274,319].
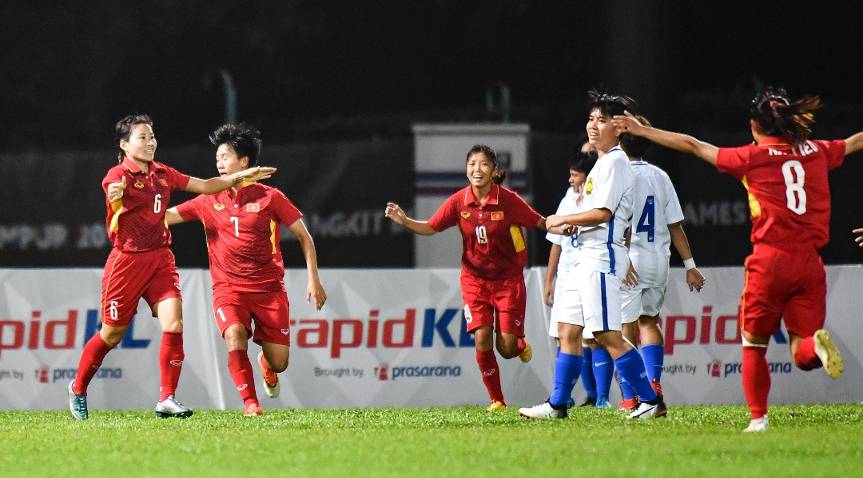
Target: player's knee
[174,327]
[236,338]
[750,339]
[506,349]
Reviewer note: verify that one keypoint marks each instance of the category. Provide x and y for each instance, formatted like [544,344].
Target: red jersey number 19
[795,177]
[481,235]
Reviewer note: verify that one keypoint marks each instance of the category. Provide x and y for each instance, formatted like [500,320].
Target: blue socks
[654,356]
[603,368]
[630,366]
[625,390]
[587,372]
[566,370]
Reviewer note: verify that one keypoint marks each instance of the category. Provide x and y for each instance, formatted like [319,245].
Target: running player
[241,225]
[561,260]
[785,174]
[604,211]
[140,265]
[657,222]
[490,218]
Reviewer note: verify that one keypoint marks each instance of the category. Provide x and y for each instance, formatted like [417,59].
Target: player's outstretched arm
[854,143]
[220,183]
[397,215]
[694,278]
[173,217]
[314,291]
[586,218]
[681,142]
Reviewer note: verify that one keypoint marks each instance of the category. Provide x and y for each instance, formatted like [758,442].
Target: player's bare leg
[509,346]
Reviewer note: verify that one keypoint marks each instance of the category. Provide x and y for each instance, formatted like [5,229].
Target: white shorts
[641,301]
[567,309]
[599,297]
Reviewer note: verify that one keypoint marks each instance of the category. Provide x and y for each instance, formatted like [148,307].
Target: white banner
[385,338]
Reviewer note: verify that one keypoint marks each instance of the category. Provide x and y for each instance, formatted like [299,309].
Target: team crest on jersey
[285,331]
[588,188]
[139,185]
[253,207]
[465,214]
[163,182]
[497,215]
[218,206]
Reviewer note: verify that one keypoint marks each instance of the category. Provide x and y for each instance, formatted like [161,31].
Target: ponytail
[777,116]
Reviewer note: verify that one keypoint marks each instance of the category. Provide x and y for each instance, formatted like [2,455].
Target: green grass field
[814,440]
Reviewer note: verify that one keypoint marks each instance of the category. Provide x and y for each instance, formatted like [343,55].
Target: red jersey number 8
[795,177]
[481,235]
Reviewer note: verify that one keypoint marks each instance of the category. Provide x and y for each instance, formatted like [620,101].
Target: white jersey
[568,244]
[609,185]
[656,206]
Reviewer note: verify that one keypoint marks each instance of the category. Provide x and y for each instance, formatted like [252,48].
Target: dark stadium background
[335,87]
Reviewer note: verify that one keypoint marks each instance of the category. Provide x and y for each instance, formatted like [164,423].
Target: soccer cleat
[170,407]
[588,402]
[526,354]
[496,407]
[829,354]
[628,404]
[757,425]
[253,410]
[648,410]
[77,404]
[602,402]
[271,379]
[542,411]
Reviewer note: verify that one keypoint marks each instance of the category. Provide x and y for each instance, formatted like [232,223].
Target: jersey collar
[492,198]
[135,169]
[773,141]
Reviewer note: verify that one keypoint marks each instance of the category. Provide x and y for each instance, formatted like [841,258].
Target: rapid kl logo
[723,330]
[400,332]
[58,334]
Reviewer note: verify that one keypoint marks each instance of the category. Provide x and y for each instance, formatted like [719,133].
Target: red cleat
[657,387]
[629,404]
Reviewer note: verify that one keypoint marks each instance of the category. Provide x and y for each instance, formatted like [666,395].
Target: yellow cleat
[526,354]
[496,407]
[829,354]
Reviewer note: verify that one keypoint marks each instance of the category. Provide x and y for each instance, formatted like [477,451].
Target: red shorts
[788,285]
[129,276]
[269,311]
[484,297]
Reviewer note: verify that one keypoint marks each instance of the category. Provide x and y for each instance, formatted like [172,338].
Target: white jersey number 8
[795,177]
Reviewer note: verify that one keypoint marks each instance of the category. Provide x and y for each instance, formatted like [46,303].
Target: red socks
[171,357]
[91,359]
[490,374]
[241,372]
[756,380]
[805,358]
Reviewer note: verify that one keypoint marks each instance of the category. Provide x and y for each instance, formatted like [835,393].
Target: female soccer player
[137,192]
[785,174]
[490,218]
[561,261]
[604,209]
[242,231]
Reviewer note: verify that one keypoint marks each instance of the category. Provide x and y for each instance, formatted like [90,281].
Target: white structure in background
[439,152]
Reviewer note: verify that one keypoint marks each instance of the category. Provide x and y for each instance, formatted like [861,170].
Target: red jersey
[492,239]
[789,194]
[136,223]
[242,232]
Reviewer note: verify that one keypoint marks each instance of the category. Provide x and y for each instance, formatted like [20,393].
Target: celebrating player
[242,229]
[490,218]
[561,260]
[785,174]
[604,211]
[657,222]
[137,193]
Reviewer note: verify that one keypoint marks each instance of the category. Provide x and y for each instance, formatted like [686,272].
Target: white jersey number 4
[795,177]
